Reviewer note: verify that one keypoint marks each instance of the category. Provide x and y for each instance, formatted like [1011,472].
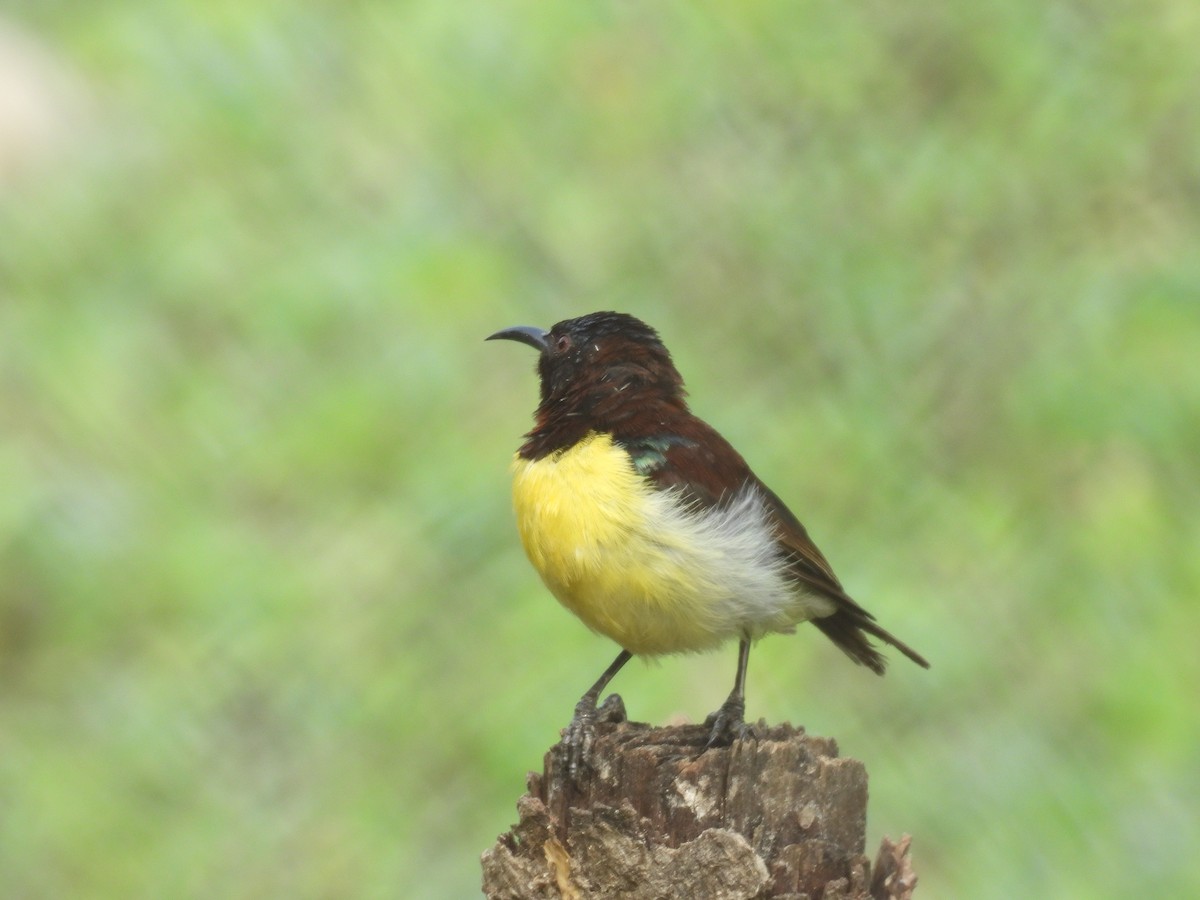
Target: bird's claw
[727,724]
[580,735]
[612,710]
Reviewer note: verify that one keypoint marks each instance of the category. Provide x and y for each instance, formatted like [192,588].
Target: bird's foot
[581,733]
[727,724]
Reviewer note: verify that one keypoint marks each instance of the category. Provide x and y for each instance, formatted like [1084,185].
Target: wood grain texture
[777,815]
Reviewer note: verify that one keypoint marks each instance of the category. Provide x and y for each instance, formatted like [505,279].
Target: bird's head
[598,364]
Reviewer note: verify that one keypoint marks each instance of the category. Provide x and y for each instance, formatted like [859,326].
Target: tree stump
[777,814]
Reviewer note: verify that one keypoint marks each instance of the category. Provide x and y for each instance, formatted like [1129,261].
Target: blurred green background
[266,629]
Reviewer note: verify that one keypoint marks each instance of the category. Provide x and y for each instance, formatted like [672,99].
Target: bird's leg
[582,730]
[728,723]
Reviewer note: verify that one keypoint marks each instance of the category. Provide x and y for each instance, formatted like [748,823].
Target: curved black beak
[525,334]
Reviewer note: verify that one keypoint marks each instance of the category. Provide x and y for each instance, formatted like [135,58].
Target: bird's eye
[563,344]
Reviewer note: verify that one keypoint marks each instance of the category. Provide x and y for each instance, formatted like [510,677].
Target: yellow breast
[634,564]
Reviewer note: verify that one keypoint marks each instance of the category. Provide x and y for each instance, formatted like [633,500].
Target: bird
[643,521]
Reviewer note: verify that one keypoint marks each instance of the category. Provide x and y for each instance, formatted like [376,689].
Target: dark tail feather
[845,628]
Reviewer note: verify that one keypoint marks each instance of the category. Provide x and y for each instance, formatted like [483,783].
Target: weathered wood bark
[776,815]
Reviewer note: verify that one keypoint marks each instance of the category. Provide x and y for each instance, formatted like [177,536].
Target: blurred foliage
[265,626]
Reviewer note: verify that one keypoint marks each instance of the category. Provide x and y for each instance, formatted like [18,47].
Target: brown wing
[850,623]
[693,458]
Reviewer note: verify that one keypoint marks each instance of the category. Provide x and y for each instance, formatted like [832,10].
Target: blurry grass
[265,628]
